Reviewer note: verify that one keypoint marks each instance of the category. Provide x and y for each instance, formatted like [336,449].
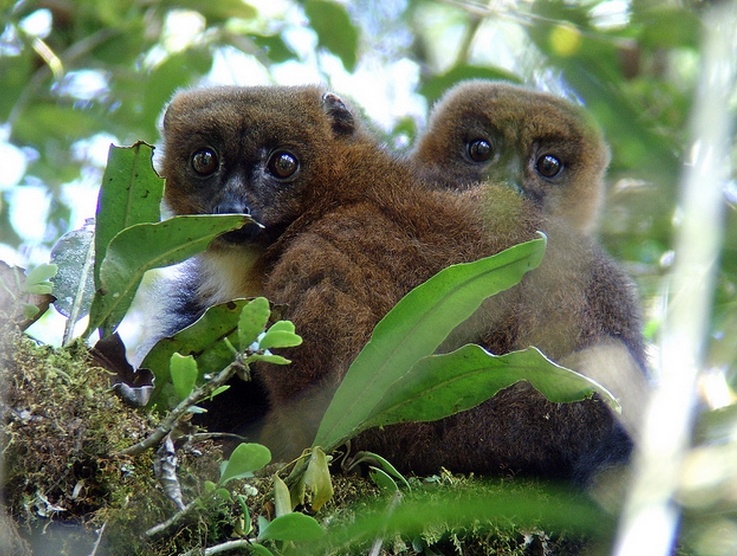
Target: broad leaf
[414,328]
[74,284]
[130,194]
[252,321]
[245,459]
[183,374]
[282,499]
[317,479]
[139,248]
[440,385]
[280,335]
[335,30]
[293,527]
[203,339]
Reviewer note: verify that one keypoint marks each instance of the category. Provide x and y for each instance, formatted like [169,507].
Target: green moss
[63,427]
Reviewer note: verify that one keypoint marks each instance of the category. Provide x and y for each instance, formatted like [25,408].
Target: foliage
[104,70]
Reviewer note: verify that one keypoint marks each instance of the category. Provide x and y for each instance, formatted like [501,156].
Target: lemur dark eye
[480,150]
[205,162]
[283,164]
[548,166]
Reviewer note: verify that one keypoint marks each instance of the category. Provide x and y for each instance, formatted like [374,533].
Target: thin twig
[175,414]
[97,541]
[164,525]
[218,548]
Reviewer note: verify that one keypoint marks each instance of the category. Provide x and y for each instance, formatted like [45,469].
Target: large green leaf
[130,194]
[414,328]
[203,339]
[335,30]
[245,459]
[440,385]
[138,249]
[293,527]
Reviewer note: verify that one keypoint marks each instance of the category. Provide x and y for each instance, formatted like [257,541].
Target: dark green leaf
[335,30]
[245,459]
[203,339]
[130,194]
[414,328]
[382,479]
[435,87]
[138,249]
[274,47]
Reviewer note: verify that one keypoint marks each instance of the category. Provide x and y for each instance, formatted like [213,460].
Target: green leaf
[280,335]
[382,479]
[260,550]
[292,527]
[440,385]
[252,321]
[379,462]
[183,374]
[38,282]
[335,30]
[269,358]
[141,247]
[203,339]
[436,86]
[41,274]
[130,194]
[317,479]
[282,499]
[245,459]
[414,328]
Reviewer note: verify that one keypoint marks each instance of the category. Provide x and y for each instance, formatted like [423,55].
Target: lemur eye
[480,150]
[205,162]
[283,164]
[548,166]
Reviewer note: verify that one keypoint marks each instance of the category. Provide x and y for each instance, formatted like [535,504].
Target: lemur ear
[342,119]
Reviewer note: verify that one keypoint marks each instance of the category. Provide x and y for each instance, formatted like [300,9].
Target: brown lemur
[348,230]
[579,307]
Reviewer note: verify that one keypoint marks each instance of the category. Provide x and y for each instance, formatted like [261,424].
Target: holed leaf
[131,194]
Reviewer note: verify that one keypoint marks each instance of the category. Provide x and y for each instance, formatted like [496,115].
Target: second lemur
[550,153]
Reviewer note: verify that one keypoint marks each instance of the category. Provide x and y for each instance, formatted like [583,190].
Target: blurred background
[78,75]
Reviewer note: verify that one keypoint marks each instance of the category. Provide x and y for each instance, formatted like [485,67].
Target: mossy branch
[180,410]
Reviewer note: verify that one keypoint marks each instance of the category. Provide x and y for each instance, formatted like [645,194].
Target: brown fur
[521,125]
[579,307]
[349,236]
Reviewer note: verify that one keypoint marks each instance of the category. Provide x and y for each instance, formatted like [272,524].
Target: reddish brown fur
[359,231]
